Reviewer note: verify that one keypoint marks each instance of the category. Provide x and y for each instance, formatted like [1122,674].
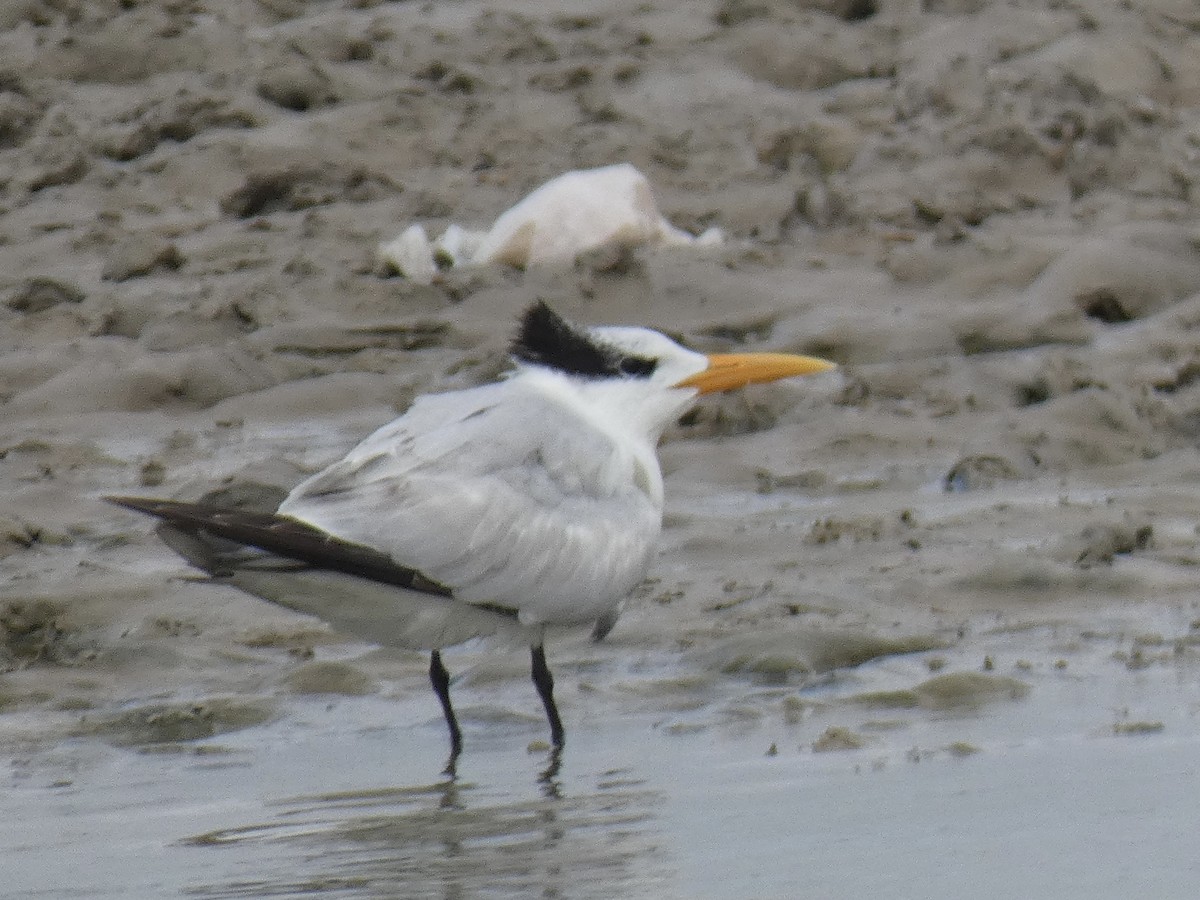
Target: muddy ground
[979,534]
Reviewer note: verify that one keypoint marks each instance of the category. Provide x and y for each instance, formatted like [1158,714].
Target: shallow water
[1037,797]
[971,555]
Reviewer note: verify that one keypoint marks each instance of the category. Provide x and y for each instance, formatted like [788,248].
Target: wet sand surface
[923,627]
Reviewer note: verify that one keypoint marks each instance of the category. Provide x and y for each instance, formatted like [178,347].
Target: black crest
[547,339]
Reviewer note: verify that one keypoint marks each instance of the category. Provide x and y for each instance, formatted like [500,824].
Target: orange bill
[729,371]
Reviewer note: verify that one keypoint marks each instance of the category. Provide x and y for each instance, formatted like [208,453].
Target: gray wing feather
[501,494]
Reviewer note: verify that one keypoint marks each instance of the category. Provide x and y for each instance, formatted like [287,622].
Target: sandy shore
[980,534]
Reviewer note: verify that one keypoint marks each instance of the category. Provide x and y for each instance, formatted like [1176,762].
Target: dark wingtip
[147,505]
[196,531]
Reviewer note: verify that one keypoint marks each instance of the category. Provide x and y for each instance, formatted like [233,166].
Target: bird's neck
[634,406]
[632,412]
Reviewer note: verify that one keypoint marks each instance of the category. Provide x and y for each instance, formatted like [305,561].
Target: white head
[645,353]
[652,378]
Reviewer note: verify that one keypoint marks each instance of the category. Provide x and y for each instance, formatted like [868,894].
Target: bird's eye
[637,366]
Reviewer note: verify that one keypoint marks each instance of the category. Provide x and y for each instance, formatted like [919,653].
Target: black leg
[440,679]
[544,682]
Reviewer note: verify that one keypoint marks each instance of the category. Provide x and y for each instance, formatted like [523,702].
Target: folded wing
[502,494]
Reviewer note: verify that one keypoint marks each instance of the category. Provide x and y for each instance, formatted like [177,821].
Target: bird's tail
[357,590]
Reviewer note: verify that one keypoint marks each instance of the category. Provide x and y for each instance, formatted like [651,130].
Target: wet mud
[965,565]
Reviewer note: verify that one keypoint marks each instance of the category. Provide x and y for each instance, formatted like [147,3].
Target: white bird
[492,511]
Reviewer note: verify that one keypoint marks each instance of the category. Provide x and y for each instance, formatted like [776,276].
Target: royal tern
[492,511]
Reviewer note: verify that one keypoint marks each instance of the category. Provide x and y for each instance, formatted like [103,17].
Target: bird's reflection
[454,838]
[548,779]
